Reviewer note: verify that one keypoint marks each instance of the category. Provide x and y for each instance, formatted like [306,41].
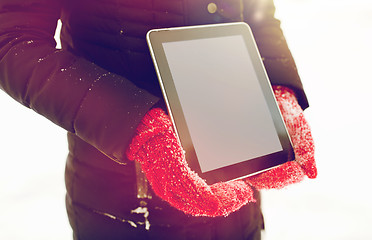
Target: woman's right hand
[162,159]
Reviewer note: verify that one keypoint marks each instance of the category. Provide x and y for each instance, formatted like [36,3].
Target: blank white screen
[224,107]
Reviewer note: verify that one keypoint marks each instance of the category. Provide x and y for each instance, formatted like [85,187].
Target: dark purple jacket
[102,82]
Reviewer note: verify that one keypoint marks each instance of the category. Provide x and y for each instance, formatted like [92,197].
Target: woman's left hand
[303,145]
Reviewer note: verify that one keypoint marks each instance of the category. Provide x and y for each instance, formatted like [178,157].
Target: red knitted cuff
[153,123]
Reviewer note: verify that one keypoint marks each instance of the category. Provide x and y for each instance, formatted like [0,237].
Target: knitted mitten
[162,159]
[303,144]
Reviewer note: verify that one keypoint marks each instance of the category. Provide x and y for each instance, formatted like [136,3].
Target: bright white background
[330,41]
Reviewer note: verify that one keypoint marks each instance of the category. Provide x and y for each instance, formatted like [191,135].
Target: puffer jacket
[100,85]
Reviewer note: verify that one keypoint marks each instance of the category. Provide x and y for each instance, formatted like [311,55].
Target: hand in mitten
[162,159]
[303,145]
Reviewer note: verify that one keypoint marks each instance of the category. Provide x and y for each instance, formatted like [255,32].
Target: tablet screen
[220,100]
[224,107]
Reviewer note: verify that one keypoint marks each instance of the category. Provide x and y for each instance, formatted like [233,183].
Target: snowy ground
[330,41]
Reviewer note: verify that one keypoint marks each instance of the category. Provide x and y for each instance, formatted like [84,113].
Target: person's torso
[111,33]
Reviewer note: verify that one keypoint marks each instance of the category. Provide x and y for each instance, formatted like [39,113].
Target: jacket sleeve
[100,107]
[276,56]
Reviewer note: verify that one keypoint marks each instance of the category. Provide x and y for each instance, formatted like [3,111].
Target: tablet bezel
[155,39]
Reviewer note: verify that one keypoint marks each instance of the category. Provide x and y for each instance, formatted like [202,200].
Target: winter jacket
[100,85]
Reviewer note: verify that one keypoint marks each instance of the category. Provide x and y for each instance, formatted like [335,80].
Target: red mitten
[162,159]
[303,145]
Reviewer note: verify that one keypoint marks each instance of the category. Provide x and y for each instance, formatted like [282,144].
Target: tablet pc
[220,100]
